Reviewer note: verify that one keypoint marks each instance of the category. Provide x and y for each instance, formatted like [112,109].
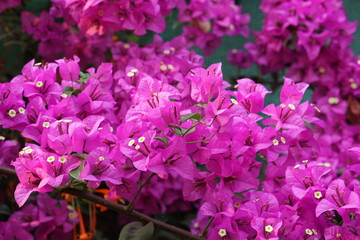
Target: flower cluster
[300,32]
[211,20]
[156,128]
[60,39]
[88,27]
[314,44]
[186,129]
[46,219]
[58,116]
[9,150]
[8,4]
[100,17]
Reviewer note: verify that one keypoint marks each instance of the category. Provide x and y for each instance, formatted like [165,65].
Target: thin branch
[130,206]
[119,208]
[204,231]
[207,139]
[8,171]
[135,214]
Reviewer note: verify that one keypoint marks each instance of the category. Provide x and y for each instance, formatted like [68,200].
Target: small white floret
[62,159]
[222,232]
[12,113]
[131,142]
[269,228]
[21,110]
[308,232]
[39,84]
[317,194]
[50,159]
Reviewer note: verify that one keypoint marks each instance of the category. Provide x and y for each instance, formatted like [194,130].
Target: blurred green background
[352,8]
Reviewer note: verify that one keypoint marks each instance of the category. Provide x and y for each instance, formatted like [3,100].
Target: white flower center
[317,194]
[269,228]
[50,159]
[131,142]
[21,110]
[308,231]
[46,124]
[196,225]
[321,70]
[333,100]
[28,151]
[62,159]
[222,232]
[163,67]
[12,113]
[327,164]
[234,101]
[39,84]
[130,74]
[291,106]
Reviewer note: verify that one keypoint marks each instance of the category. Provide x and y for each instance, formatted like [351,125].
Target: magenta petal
[323,206]
[22,193]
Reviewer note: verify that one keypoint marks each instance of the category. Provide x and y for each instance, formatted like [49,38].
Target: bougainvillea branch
[130,206]
[118,208]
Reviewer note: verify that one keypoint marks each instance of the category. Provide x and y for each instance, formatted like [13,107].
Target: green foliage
[191,116]
[77,171]
[136,231]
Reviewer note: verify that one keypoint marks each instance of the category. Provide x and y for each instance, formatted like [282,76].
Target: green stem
[207,139]
[188,130]
[130,206]
[204,231]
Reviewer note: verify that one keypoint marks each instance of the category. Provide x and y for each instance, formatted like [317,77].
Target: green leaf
[190,131]
[195,116]
[76,172]
[136,231]
[177,129]
[164,140]
[203,105]
[84,77]
[180,131]
[81,156]
[71,91]
[239,195]
[68,90]
[145,232]
[5,210]
[308,125]
[76,92]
